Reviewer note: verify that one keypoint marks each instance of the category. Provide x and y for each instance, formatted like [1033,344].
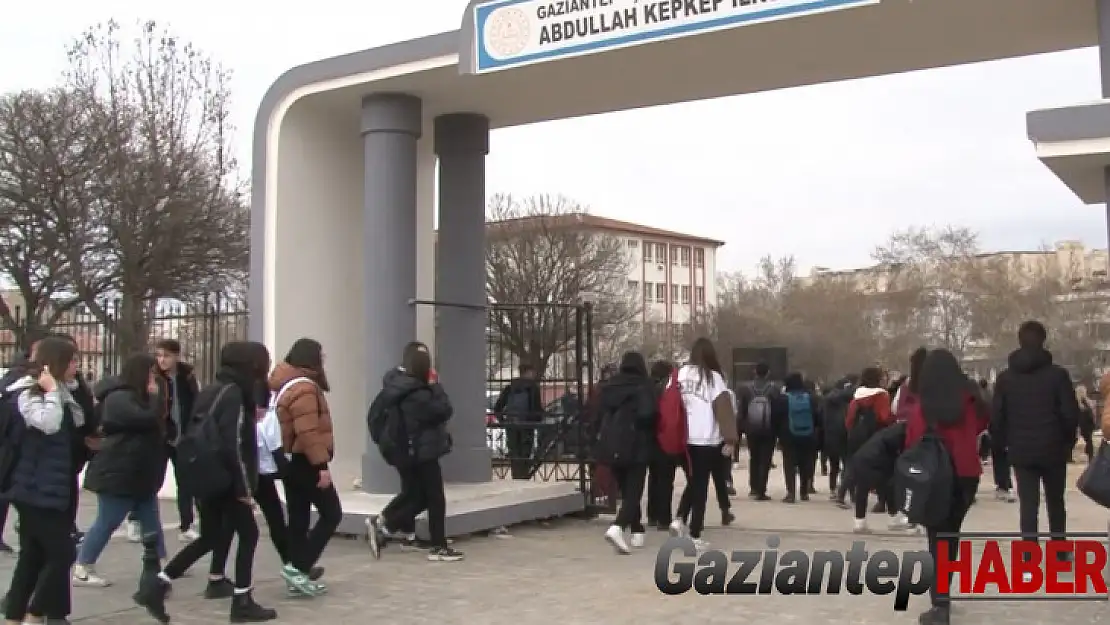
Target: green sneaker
[298,581]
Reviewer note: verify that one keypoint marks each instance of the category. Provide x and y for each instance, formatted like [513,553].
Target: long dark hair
[245,363]
[418,364]
[917,358]
[944,387]
[634,363]
[794,382]
[704,356]
[135,374]
[53,354]
[308,354]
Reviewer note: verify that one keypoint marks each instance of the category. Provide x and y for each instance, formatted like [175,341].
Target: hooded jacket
[234,421]
[425,409]
[635,395]
[306,427]
[836,413]
[181,389]
[1035,413]
[527,387]
[52,449]
[875,398]
[132,457]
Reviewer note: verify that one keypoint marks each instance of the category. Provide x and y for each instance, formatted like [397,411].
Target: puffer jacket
[132,457]
[306,427]
[632,395]
[426,410]
[1035,413]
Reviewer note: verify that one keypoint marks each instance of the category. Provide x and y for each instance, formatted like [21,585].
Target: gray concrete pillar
[391,126]
[461,143]
[1103,12]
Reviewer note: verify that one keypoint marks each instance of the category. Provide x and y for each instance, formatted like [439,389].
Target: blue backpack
[800,419]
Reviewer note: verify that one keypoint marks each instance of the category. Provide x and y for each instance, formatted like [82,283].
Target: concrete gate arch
[347,151]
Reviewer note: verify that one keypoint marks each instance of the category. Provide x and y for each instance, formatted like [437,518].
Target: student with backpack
[520,408]
[941,435]
[628,412]
[759,407]
[666,456]
[868,412]
[799,438]
[836,434]
[408,422]
[220,450]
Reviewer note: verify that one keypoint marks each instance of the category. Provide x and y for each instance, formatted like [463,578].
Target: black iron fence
[200,328]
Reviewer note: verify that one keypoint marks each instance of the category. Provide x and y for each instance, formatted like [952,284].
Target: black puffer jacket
[635,395]
[426,410]
[836,409]
[132,457]
[1035,413]
[873,463]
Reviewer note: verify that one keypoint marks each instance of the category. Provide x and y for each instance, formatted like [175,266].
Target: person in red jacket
[868,412]
[950,403]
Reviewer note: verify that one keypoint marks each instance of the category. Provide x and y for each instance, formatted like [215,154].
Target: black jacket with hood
[182,388]
[426,410]
[132,457]
[635,394]
[836,409]
[234,420]
[1035,412]
[530,390]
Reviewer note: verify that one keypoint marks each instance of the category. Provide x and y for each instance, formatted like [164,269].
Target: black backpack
[864,426]
[617,436]
[12,430]
[199,454]
[758,415]
[924,481]
[386,423]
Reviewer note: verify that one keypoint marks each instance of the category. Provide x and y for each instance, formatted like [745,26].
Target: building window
[633,244]
[699,258]
[674,255]
[660,292]
[686,295]
[649,292]
[685,252]
[633,285]
[647,252]
[674,293]
[700,294]
[676,331]
[661,253]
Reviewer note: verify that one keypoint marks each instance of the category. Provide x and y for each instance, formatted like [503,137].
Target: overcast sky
[824,173]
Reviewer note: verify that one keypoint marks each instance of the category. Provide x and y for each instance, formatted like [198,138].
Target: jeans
[421,489]
[301,495]
[111,511]
[1029,480]
[761,450]
[221,518]
[961,503]
[274,513]
[46,552]
[631,483]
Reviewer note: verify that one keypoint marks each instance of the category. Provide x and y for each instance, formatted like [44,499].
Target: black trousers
[630,480]
[220,519]
[185,500]
[46,551]
[847,482]
[1000,467]
[421,489]
[521,442]
[761,450]
[274,513]
[834,470]
[862,490]
[798,457]
[1029,481]
[660,487]
[1086,430]
[306,544]
[704,461]
[961,503]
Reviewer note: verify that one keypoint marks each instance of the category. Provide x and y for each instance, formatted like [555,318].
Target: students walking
[711,432]
[224,427]
[628,411]
[799,438]
[410,403]
[760,415]
[128,471]
[299,383]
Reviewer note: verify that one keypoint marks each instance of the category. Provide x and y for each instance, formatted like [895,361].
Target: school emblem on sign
[507,32]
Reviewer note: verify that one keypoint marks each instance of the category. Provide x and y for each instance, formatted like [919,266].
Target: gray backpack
[759,410]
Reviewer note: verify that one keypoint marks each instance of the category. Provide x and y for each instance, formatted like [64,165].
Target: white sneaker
[615,536]
[678,528]
[86,576]
[701,545]
[189,535]
[860,527]
[898,522]
[638,540]
[134,532]
[1004,495]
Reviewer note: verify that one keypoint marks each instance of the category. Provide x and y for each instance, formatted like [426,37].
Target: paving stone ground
[562,572]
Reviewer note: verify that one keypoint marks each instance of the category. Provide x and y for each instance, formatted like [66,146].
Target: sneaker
[727,518]
[860,527]
[898,523]
[639,539]
[678,528]
[298,581]
[444,554]
[615,536]
[245,610]
[84,575]
[133,531]
[762,497]
[219,589]
[189,535]
[789,498]
[1002,494]
[374,538]
[936,615]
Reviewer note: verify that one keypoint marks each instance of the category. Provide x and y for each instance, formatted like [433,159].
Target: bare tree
[170,215]
[50,146]
[543,255]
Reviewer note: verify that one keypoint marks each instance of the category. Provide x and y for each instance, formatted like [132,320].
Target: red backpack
[670,430]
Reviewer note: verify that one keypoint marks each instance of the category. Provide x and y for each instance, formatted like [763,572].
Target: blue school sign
[511,33]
